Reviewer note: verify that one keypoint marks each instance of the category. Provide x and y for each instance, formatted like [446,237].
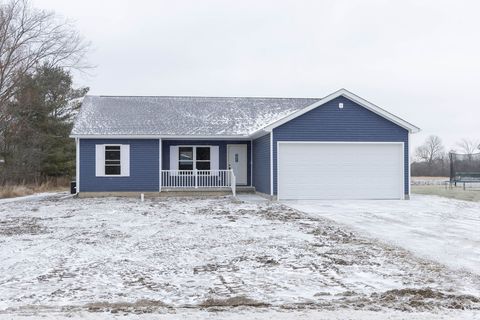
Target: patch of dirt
[21,226]
[425,299]
[267,260]
[215,267]
[139,306]
[238,301]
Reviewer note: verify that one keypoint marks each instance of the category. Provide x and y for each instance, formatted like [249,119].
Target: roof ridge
[204,97]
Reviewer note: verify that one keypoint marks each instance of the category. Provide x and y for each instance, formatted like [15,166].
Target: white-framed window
[112,160]
[194,157]
[191,157]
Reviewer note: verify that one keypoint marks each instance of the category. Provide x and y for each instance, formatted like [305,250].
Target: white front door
[237,161]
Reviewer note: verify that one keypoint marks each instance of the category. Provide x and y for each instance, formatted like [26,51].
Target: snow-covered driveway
[441,229]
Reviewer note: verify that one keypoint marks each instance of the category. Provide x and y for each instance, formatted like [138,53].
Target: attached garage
[346,170]
[341,147]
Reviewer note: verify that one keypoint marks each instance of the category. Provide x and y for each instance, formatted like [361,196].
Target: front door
[237,161]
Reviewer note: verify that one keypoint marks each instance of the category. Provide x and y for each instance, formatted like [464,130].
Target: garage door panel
[340,171]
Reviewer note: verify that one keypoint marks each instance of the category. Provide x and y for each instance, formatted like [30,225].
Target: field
[437,186]
[89,258]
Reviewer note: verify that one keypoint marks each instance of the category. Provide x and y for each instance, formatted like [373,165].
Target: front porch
[205,166]
[198,180]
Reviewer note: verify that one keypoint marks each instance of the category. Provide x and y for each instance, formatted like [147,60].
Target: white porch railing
[195,179]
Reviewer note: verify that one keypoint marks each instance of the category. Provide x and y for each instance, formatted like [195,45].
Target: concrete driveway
[440,229]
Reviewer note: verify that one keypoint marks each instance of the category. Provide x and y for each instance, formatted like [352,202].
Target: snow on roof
[181,116]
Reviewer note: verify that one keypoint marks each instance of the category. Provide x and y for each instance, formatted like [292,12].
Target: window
[112,160]
[185,158]
[202,158]
[190,158]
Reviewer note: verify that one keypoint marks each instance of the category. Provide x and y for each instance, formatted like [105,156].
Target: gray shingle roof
[185,116]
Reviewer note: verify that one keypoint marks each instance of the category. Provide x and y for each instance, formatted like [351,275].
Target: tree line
[431,159]
[38,52]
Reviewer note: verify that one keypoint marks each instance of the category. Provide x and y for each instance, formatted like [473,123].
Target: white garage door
[340,170]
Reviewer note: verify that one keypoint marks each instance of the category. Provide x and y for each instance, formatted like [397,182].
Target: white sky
[418,59]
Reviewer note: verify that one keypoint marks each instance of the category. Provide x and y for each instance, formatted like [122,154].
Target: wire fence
[464,167]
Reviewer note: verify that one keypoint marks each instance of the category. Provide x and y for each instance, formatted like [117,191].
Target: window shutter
[173,157]
[214,159]
[125,160]
[99,160]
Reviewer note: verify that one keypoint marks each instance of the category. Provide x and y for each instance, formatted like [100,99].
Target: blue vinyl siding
[330,123]
[222,146]
[261,164]
[144,167]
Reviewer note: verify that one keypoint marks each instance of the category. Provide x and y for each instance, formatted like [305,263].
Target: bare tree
[31,37]
[431,150]
[469,146]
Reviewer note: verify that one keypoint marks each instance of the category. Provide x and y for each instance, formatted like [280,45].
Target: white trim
[258,134]
[401,143]
[343,142]
[77,165]
[409,166]
[125,160]
[402,197]
[99,160]
[160,165]
[251,163]
[214,158]
[342,92]
[271,163]
[157,136]
[173,158]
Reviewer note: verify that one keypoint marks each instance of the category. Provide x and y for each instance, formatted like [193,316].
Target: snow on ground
[242,313]
[85,257]
[442,229]
[418,181]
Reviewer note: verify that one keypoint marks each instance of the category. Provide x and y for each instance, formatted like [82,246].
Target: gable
[331,123]
[352,98]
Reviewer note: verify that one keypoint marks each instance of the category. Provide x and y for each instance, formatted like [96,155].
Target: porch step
[243,189]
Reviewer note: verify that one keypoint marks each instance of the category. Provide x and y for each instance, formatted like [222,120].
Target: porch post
[77,165]
[233,183]
[159,165]
[195,177]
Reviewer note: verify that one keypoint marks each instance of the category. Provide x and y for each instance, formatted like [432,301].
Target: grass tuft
[20,190]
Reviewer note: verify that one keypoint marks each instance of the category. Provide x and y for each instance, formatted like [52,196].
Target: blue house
[337,147]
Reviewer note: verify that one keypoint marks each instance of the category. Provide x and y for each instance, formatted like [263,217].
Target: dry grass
[470,194]
[51,185]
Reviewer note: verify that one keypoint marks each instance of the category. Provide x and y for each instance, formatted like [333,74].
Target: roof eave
[158,136]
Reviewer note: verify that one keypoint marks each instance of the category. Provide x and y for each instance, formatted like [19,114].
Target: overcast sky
[418,59]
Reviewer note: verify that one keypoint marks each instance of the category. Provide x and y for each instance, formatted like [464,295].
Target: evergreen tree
[36,143]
